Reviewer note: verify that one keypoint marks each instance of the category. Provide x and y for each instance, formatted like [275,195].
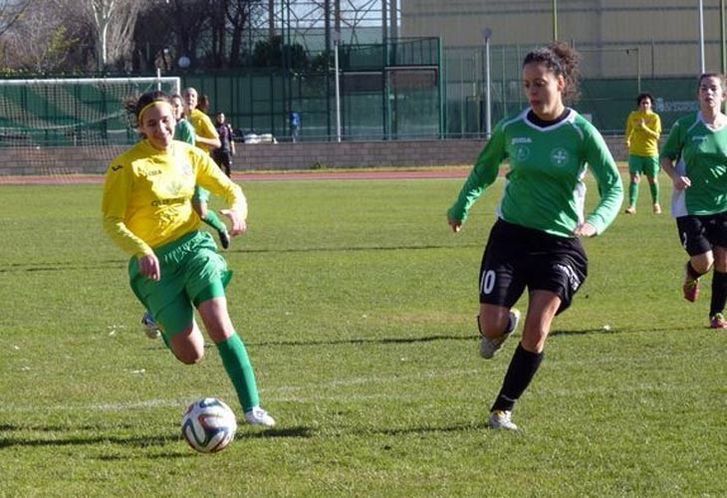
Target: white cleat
[501,419]
[258,416]
[488,347]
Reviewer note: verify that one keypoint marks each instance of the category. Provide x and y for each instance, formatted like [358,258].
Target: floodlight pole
[722,37]
[336,42]
[701,37]
[487,34]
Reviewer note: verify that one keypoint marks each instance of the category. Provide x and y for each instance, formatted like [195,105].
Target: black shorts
[222,157]
[699,234]
[517,257]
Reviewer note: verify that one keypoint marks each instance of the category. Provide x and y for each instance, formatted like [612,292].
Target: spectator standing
[223,154]
[294,126]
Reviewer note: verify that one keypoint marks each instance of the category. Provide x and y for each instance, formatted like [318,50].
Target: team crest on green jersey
[559,157]
[522,152]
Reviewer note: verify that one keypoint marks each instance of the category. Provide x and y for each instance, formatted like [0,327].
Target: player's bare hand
[238,225]
[149,267]
[455,224]
[682,182]
[585,230]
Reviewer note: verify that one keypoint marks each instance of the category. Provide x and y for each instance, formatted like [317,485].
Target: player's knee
[533,341]
[189,357]
[492,324]
[188,352]
[703,263]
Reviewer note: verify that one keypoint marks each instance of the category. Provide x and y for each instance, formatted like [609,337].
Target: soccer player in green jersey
[643,128]
[183,131]
[535,243]
[699,200]
[174,267]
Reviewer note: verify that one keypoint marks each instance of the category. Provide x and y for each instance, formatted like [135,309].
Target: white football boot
[502,419]
[258,416]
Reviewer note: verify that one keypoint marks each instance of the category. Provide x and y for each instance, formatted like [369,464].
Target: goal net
[68,126]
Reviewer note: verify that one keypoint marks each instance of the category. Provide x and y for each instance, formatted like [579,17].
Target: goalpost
[63,126]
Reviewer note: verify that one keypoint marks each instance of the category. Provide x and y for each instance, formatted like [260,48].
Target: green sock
[654,192]
[239,369]
[214,221]
[633,193]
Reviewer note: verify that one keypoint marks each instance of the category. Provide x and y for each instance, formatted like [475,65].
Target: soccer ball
[209,425]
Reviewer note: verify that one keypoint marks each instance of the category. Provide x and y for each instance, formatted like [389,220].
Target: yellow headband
[151,104]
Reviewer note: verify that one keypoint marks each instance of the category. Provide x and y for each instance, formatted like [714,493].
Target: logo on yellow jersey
[174,188]
[187,169]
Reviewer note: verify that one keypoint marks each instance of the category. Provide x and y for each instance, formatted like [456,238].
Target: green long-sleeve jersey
[545,188]
[704,161]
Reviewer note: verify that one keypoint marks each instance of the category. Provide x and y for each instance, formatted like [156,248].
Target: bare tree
[83,35]
[114,21]
[10,12]
[230,21]
[239,14]
[167,31]
[153,33]
[39,41]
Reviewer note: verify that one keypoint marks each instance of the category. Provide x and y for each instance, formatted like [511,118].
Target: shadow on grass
[62,266]
[381,340]
[427,430]
[140,441]
[135,441]
[444,337]
[282,432]
[595,330]
[264,250]
[622,330]
[115,264]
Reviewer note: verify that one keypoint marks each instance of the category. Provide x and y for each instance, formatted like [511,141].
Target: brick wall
[397,153]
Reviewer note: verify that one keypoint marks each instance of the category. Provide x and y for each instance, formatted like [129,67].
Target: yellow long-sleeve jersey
[147,198]
[203,127]
[642,133]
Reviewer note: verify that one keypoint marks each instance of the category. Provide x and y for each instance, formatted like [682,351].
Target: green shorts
[201,194]
[192,272]
[648,165]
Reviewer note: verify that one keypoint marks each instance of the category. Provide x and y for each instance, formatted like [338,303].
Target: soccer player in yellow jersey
[206,138]
[174,267]
[643,128]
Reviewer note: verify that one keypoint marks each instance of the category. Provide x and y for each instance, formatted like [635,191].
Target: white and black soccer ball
[209,425]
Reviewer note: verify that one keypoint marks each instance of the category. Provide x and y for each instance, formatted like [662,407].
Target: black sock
[521,371]
[719,293]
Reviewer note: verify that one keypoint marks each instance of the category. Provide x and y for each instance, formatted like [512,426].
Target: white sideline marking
[288,393]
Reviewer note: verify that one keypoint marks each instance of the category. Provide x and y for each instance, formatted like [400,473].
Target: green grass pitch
[357,305]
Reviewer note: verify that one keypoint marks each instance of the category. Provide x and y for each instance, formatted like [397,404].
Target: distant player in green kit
[643,128]
[535,243]
[699,201]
